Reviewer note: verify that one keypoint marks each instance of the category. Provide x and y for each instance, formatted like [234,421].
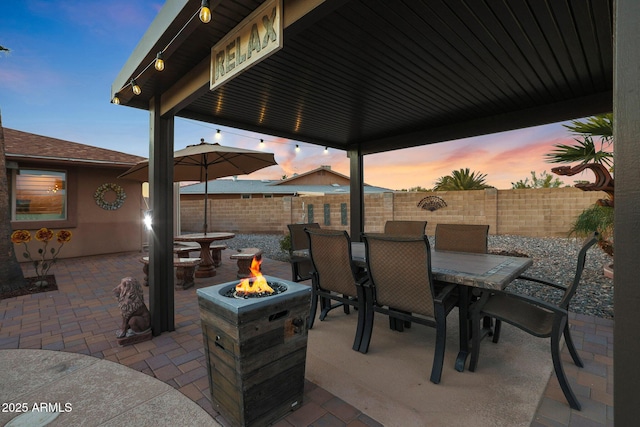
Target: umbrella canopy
[205,161]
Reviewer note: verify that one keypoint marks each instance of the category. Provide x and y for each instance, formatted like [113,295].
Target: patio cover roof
[384,75]
[369,76]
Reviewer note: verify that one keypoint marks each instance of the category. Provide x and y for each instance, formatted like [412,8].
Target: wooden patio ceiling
[378,75]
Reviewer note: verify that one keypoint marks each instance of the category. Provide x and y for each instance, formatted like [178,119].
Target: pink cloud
[505,158]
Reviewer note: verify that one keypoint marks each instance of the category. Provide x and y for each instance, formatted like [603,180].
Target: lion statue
[136,318]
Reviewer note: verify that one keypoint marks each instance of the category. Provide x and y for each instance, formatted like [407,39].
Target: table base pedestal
[206,271]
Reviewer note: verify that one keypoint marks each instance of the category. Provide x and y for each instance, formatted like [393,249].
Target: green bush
[596,218]
[285,243]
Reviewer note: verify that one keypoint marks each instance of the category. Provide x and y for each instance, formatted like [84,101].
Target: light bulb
[297,148]
[218,134]
[205,12]
[262,143]
[134,86]
[159,62]
[326,150]
[115,100]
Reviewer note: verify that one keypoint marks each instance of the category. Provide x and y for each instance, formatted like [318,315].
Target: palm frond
[584,151]
[462,179]
[600,125]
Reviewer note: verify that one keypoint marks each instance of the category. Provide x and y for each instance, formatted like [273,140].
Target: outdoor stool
[185,271]
[244,257]
[216,253]
[182,251]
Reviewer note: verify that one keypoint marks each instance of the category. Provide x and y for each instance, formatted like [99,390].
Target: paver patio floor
[82,317]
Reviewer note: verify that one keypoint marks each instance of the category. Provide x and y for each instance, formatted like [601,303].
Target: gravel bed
[554,259]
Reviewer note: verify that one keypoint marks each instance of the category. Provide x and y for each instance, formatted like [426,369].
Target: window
[267,196]
[39,195]
[245,196]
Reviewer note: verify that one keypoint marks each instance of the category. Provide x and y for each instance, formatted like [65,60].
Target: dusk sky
[65,54]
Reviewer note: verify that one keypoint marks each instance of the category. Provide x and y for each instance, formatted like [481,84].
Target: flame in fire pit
[254,284]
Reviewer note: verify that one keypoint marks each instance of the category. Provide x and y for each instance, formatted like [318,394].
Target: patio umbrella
[205,161]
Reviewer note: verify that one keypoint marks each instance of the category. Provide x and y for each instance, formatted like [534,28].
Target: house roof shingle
[28,146]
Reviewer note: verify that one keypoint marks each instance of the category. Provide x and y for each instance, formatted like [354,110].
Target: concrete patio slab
[90,391]
[391,382]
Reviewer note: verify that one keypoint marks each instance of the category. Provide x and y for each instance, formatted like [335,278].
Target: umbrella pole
[206,193]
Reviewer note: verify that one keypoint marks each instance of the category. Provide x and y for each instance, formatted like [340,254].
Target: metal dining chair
[535,316]
[399,270]
[462,238]
[300,266]
[335,277]
[405,228]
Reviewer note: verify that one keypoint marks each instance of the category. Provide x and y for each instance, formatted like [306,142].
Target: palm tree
[462,179]
[598,218]
[11,276]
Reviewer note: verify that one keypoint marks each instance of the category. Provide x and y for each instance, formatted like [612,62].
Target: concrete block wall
[542,212]
[530,212]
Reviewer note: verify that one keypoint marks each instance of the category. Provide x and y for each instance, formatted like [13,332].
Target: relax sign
[255,38]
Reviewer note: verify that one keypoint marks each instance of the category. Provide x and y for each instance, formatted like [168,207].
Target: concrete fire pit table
[256,350]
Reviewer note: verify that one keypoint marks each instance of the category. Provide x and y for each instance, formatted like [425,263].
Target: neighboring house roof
[254,186]
[28,146]
[300,177]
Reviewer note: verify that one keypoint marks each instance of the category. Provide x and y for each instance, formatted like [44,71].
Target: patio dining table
[468,271]
[206,267]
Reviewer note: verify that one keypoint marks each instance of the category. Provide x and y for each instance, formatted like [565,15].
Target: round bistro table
[206,267]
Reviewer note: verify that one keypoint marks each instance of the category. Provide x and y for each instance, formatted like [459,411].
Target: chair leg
[314,306]
[325,306]
[557,365]
[441,341]
[395,324]
[357,341]
[572,349]
[368,322]
[496,330]
[345,307]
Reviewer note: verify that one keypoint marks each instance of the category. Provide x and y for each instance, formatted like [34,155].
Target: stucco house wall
[94,230]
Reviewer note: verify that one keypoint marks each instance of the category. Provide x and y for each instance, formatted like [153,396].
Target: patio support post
[161,298]
[356,193]
[626,110]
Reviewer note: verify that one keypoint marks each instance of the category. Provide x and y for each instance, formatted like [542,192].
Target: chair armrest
[542,282]
[363,281]
[534,301]
[444,294]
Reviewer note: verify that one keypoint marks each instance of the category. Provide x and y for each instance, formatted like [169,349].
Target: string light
[261,141]
[205,12]
[135,88]
[159,62]
[218,134]
[205,16]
